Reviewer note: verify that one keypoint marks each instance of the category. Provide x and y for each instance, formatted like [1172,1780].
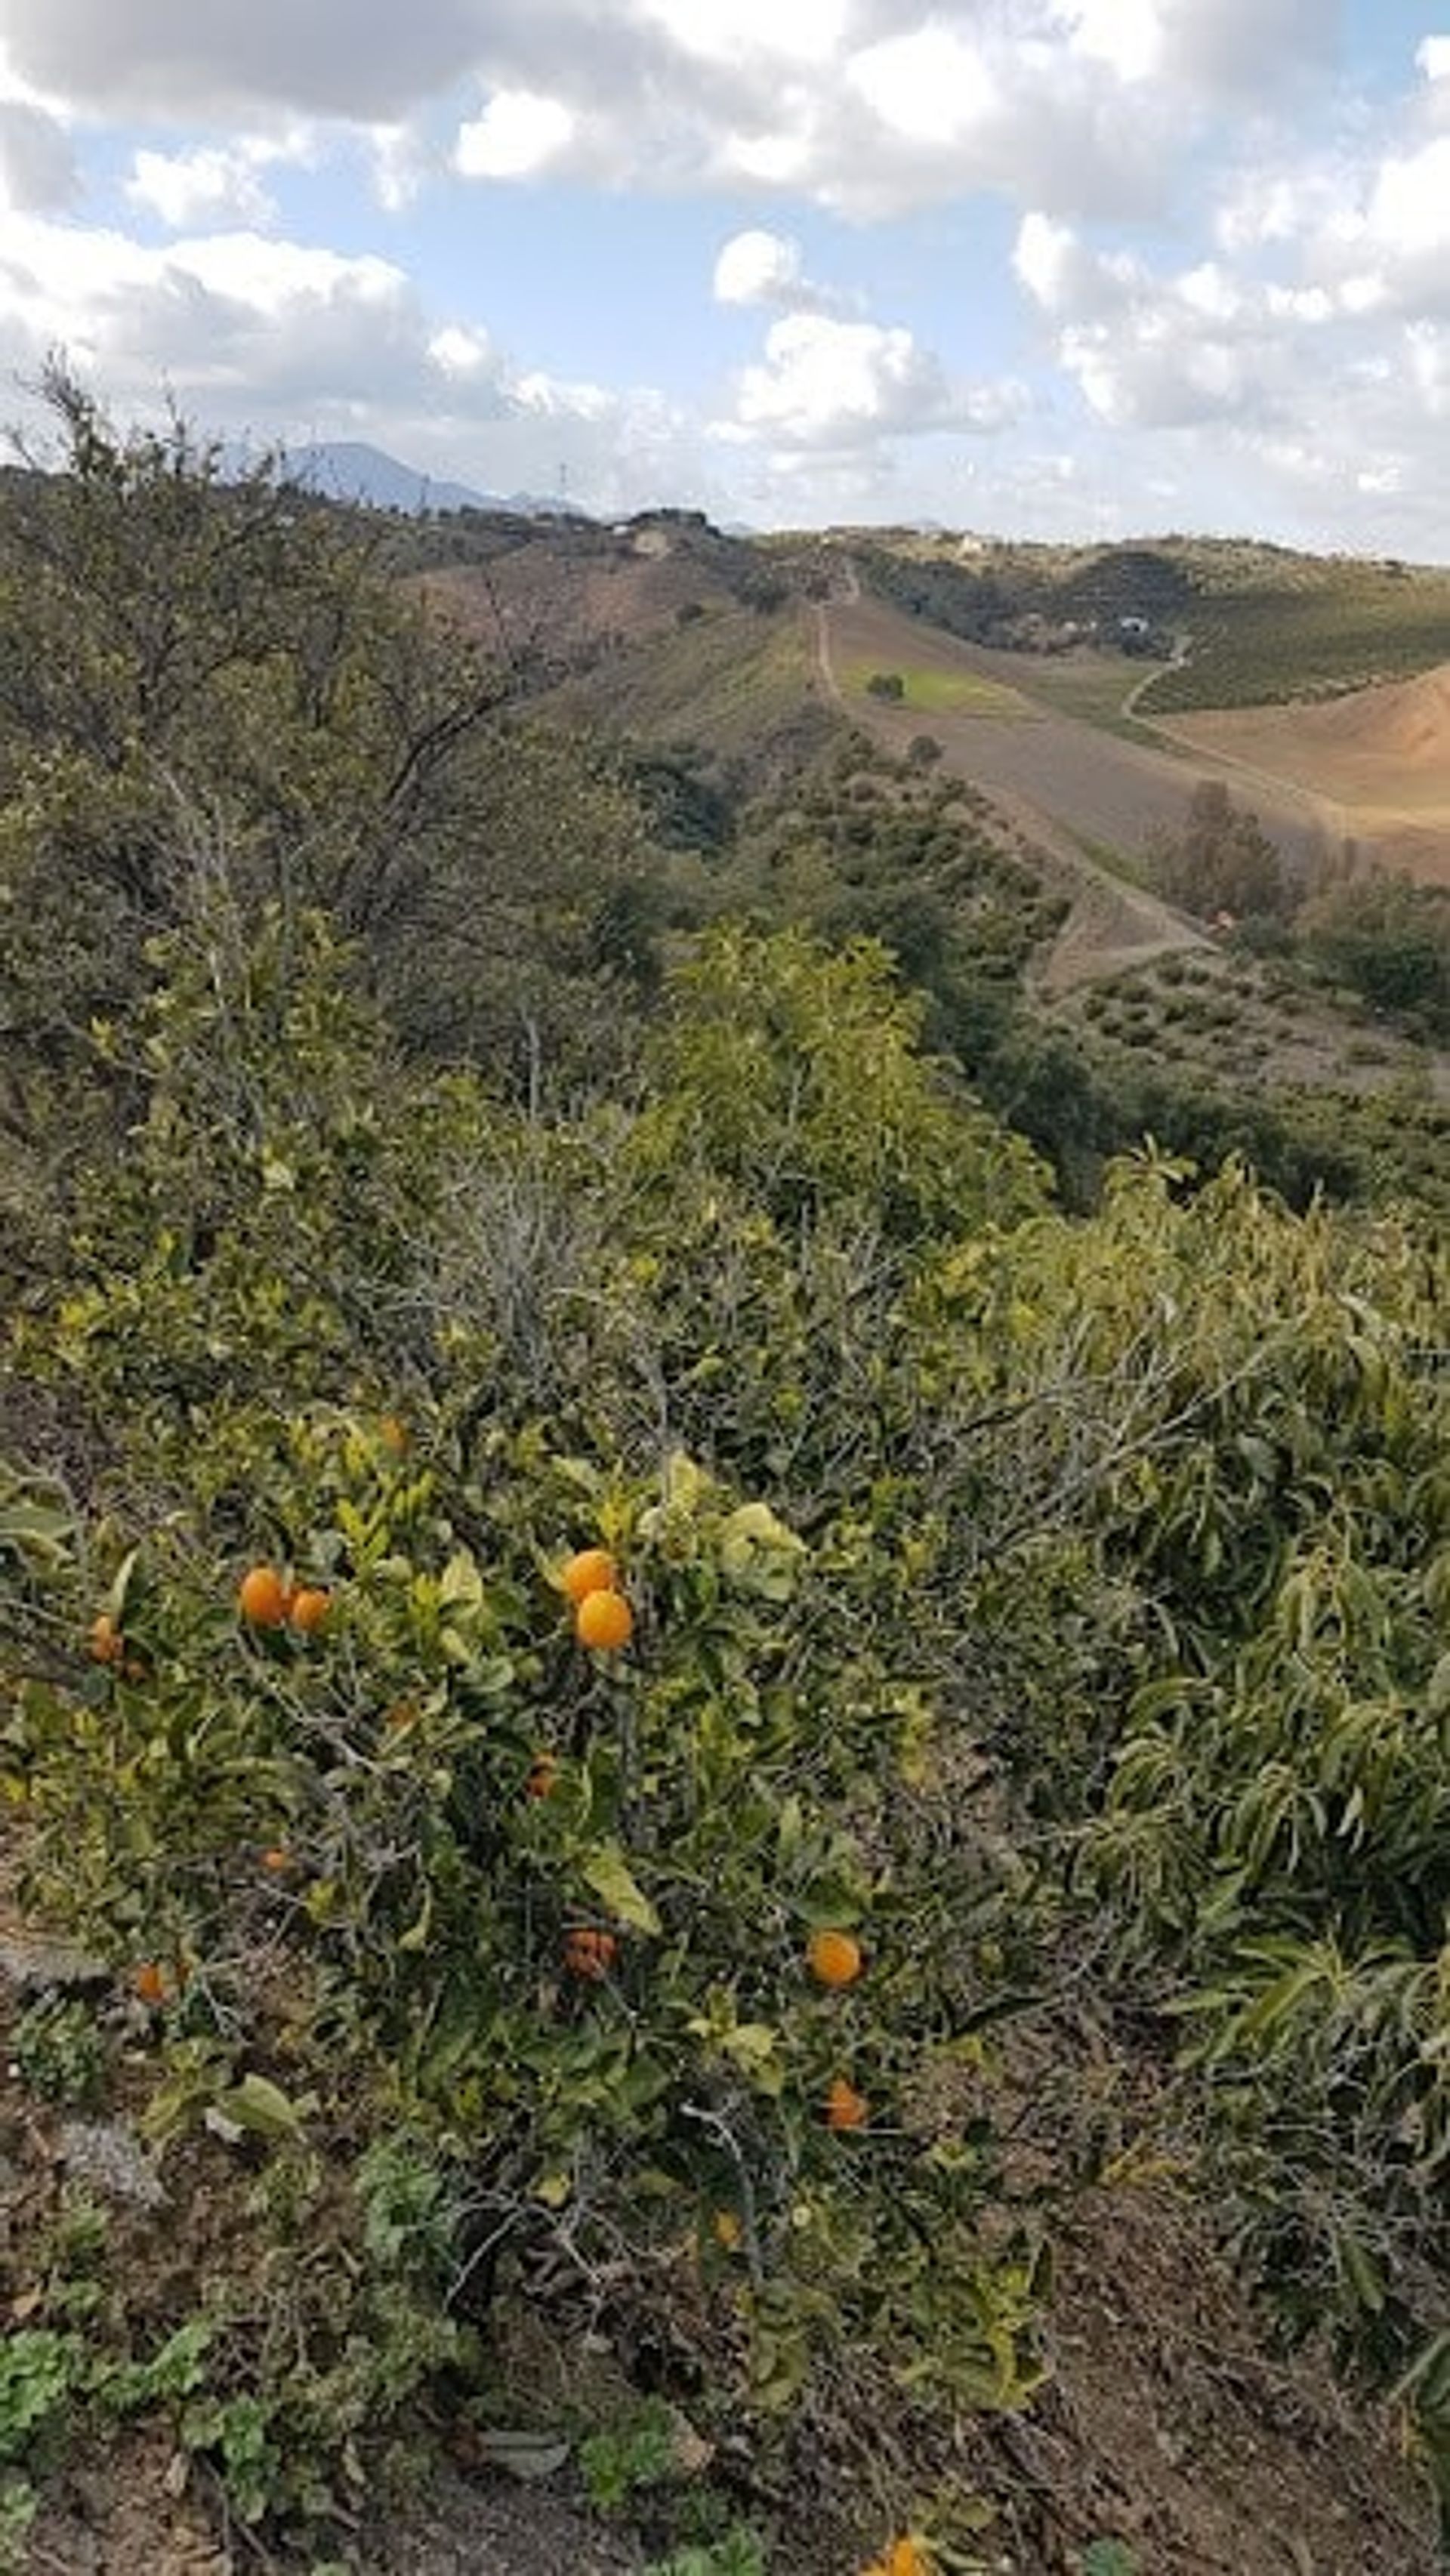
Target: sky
[1050,268]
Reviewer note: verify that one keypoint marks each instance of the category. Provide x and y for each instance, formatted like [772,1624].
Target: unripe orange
[834,1958]
[592,1570]
[393,1434]
[308,1609]
[263,1597]
[604,1620]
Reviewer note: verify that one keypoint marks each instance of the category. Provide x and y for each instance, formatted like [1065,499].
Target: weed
[59,2053]
[643,2452]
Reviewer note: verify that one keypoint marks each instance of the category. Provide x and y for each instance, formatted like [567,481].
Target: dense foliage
[1007,1591]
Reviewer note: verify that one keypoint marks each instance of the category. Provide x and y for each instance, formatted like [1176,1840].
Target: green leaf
[460,1587]
[607,1872]
[261,2106]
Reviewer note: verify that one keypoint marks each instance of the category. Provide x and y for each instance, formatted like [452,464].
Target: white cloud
[212,183]
[399,165]
[37,161]
[806,31]
[832,385]
[1127,34]
[873,106]
[1432,56]
[1428,346]
[37,164]
[759,267]
[518,135]
[1064,276]
[932,87]
[460,352]
[1409,208]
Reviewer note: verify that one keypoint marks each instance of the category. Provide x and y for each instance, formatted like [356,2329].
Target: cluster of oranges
[590,1954]
[603,1618]
[266,1600]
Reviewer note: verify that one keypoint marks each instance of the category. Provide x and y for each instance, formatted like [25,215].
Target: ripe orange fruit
[401,1715]
[277,1859]
[542,1776]
[592,1570]
[589,1954]
[604,1620]
[308,1609]
[264,1598]
[834,1958]
[393,1434]
[149,1981]
[845,2107]
[106,1644]
[903,2558]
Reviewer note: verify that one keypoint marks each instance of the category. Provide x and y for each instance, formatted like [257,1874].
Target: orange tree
[452,1951]
[490,1953]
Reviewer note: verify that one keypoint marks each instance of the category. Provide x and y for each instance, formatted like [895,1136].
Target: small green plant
[37,2372]
[59,2054]
[643,2451]
[18,2502]
[740,2553]
[1108,2558]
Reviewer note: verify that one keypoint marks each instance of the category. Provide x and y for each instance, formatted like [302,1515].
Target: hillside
[734,698]
[1376,760]
[1259,623]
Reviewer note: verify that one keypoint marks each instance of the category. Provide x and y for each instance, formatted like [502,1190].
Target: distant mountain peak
[349,469]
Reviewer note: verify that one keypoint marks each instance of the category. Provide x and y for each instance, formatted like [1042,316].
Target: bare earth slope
[1381,758]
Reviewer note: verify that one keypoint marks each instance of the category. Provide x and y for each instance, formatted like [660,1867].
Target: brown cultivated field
[1380,757]
[1108,793]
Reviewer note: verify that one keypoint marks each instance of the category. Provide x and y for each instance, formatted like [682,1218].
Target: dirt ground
[1380,756]
[117,2519]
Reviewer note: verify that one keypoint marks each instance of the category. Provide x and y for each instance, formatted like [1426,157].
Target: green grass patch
[928,691]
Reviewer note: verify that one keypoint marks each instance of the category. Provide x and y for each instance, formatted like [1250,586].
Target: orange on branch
[106,1644]
[590,1954]
[604,1620]
[592,1570]
[845,2107]
[263,1597]
[834,1958]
